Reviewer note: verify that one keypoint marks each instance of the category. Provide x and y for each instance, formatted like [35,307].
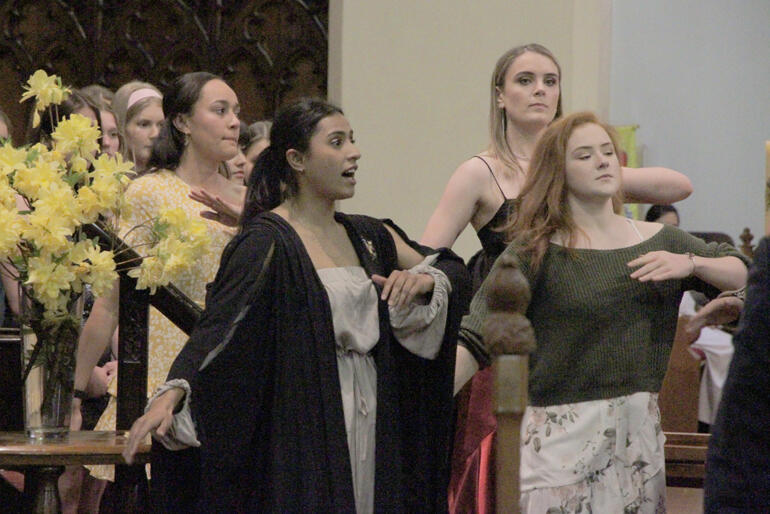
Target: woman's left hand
[402,287]
[662,265]
[222,211]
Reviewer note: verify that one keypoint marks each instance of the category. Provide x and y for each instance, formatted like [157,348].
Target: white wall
[695,75]
[413,78]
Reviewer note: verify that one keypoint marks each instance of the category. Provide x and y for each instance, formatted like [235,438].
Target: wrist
[692,257]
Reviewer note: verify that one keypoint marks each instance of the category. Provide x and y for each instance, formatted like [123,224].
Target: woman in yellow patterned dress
[200,132]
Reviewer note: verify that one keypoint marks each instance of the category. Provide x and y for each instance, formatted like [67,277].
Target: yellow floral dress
[145,197]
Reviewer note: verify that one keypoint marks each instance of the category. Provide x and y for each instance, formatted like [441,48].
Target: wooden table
[44,461]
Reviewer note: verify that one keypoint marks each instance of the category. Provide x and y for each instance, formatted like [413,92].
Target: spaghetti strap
[493,175]
[633,225]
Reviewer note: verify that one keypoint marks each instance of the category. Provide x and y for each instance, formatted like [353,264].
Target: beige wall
[413,79]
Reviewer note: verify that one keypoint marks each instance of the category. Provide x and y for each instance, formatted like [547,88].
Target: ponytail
[265,185]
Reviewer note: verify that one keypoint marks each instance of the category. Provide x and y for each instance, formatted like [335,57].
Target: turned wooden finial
[747,237]
[506,330]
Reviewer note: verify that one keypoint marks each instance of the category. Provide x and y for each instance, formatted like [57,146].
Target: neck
[196,171]
[522,140]
[595,220]
[312,213]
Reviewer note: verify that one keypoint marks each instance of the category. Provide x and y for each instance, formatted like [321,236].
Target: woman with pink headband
[139,111]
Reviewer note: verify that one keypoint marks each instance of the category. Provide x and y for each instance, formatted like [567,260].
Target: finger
[165,424]
[210,215]
[645,270]
[397,279]
[410,292]
[379,279]
[641,260]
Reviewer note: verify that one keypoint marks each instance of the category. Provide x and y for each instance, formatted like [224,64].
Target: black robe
[268,408]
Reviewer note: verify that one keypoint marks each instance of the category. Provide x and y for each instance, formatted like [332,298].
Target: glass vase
[48,366]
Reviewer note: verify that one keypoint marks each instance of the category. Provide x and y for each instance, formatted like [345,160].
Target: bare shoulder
[648,228]
[474,172]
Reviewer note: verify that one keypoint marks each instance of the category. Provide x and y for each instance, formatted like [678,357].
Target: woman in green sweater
[605,296]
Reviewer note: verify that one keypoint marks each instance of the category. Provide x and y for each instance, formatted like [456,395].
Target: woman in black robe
[260,374]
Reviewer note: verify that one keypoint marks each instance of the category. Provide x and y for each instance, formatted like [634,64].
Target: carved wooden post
[510,339]
[132,493]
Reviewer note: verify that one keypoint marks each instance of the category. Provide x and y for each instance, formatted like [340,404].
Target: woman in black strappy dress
[525,97]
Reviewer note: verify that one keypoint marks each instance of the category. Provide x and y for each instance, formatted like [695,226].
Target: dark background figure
[738,461]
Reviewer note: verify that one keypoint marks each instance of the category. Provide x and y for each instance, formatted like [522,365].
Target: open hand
[661,265]
[158,419]
[717,312]
[222,211]
[402,287]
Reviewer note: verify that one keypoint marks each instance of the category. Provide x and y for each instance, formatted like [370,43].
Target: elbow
[685,188]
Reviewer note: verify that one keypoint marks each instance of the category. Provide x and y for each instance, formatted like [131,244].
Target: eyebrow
[590,147]
[527,72]
[340,133]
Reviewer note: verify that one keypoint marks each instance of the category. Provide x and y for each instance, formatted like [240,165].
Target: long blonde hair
[498,121]
[543,209]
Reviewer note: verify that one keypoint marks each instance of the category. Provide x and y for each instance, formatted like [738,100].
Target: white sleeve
[181,434]
[420,328]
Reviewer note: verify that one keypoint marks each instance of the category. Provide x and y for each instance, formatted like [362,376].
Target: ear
[180,122]
[500,103]
[295,159]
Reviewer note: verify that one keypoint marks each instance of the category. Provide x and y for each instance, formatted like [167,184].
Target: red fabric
[472,485]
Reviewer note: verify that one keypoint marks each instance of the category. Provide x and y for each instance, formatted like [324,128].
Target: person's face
[110,141]
[669,218]
[256,148]
[141,131]
[240,167]
[327,169]
[591,166]
[4,134]
[213,126]
[530,91]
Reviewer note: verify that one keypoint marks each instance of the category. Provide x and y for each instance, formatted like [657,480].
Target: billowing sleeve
[420,328]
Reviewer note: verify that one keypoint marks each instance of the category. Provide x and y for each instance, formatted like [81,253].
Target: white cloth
[715,346]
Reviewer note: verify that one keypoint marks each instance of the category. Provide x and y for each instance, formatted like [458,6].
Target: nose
[355,152]
[539,88]
[234,121]
[154,131]
[604,162]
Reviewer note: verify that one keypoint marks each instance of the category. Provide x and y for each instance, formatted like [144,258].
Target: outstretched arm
[457,207]
[721,272]
[655,185]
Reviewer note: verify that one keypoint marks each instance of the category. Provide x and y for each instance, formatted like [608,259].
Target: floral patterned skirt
[596,456]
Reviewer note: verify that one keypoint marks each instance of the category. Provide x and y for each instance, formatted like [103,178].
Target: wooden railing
[130,481]
[510,338]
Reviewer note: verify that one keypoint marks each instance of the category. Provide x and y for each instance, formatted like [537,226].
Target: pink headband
[141,94]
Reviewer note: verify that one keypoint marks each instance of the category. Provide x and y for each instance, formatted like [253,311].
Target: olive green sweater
[600,334]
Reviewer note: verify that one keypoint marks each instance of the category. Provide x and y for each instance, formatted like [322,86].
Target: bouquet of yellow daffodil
[47,196]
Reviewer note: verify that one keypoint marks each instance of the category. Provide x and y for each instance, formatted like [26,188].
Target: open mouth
[349,173]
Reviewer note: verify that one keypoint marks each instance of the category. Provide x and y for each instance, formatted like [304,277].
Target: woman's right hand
[158,419]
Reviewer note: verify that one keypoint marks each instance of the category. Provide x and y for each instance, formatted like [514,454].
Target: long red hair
[543,209]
